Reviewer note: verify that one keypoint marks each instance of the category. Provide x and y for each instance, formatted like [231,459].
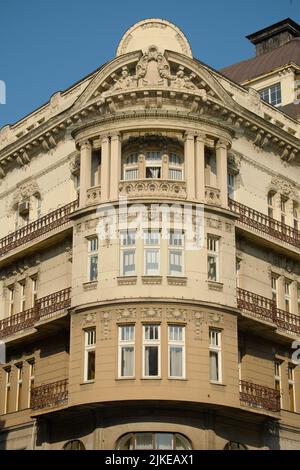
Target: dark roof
[285,25]
[264,63]
[292,109]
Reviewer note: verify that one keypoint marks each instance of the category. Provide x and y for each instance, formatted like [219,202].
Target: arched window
[153,440]
[231,445]
[76,444]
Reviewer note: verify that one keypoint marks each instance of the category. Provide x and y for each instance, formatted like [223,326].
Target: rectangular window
[175,174]
[152,252]
[176,251]
[277,376]
[33,291]
[272,94]
[11,301]
[230,185]
[132,174]
[271,204]
[90,354]
[128,250]
[287,295]
[215,358]
[291,382]
[93,259]
[274,288]
[7,390]
[176,351]
[22,297]
[126,350]
[295,216]
[151,351]
[19,387]
[212,258]
[283,209]
[31,364]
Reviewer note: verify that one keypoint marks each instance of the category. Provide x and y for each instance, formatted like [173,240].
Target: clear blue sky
[46,45]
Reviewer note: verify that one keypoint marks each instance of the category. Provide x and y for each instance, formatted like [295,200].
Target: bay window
[151,350]
[176,347]
[126,351]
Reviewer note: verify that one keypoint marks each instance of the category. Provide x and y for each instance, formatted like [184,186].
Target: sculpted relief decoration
[152,69]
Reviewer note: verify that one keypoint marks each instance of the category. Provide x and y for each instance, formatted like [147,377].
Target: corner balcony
[51,395]
[156,188]
[265,309]
[265,225]
[39,227]
[45,309]
[258,396]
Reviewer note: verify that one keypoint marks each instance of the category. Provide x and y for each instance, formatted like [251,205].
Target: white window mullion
[176,351]
[215,355]
[151,351]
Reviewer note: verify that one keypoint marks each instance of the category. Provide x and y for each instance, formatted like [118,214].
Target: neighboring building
[132,341]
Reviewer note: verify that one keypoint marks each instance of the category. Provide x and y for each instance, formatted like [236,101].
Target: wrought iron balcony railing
[44,308]
[49,395]
[265,224]
[266,309]
[37,228]
[258,396]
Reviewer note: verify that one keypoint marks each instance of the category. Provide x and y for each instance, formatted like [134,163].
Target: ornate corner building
[118,338]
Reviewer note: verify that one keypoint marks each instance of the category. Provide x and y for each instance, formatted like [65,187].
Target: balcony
[265,309]
[45,308]
[37,228]
[49,395]
[265,224]
[258,396]
[153,188]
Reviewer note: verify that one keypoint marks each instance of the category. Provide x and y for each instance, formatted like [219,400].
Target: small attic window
[271,94]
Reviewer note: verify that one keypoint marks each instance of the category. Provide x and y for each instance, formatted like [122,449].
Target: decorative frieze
[154,188]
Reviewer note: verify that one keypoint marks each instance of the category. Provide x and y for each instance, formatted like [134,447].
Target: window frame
[213,348]
[152,247]
[31,377]
[22,296]
[176,249]
[11,301]
[89,347]
[266,94]
[19,387]
[7,398]
[291,383]
[122,344]
[180,344]
[213,254]
[152,343]
[92,253]
[127,247]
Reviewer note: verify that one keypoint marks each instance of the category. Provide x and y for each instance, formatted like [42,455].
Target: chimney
[274,36]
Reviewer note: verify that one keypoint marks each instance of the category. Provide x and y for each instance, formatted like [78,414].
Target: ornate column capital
[188,135]
[222,144]
[200,137]
[85,145]
[116,135]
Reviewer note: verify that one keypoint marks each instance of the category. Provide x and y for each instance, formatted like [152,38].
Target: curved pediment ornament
[24,192]
[284,187]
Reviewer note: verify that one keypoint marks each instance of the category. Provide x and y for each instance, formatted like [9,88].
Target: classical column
[165,166]
[115,165]
[200,168]
[105,148]
[141,166]
[221,156]
[85,170]
[189,161]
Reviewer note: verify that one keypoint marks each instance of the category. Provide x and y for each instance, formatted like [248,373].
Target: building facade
[149,256]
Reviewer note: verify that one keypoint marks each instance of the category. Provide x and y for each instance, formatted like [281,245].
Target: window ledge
[150,378]
[121,379]
[126,280]
[88,382]
[90,285]
[150,279]
[177,280]
[219,384]
[214,285]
